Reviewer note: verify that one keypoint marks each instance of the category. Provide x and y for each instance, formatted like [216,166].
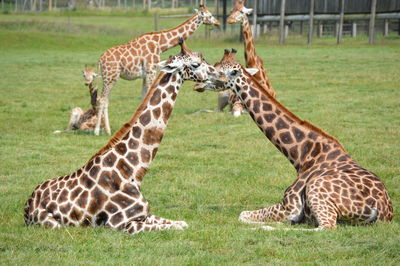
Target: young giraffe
[106,191]
[139,58]
[80,120]
[330,185]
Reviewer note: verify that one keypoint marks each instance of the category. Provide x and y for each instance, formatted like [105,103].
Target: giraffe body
[330,185]
[139,58]
[106,191]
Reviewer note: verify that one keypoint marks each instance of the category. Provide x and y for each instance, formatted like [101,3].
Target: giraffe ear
[168,67]
[162,64]
[252,71]
[196,10]
[246,10]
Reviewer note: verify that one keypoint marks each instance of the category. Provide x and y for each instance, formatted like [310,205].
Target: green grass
[209,167]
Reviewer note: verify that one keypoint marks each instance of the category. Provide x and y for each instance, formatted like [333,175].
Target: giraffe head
[191,66]
[89,74]
[206,16]
[230,70]
[239,12]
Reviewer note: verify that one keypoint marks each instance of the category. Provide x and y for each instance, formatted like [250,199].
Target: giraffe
[80,120]
[106,190]
[330,186]
[139,58]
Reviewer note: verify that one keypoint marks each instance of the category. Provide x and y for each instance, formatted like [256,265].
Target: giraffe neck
[132,149]
[302,143]
[252,60]
[249,47]
[170,38]
[93,95]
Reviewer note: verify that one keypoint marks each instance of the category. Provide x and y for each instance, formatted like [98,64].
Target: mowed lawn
[210,166]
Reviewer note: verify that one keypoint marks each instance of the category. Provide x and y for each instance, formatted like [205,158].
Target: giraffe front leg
[148,81]
[156,219]
[74,118]
[99,115]
[153,223]
[223,100]
[274,213]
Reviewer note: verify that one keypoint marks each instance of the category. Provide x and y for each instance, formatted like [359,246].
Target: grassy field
[209,167]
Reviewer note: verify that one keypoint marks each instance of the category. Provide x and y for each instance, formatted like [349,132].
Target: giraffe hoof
[180,225]
[244,217]
[236,113]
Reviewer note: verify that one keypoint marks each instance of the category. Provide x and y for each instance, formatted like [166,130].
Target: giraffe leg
[153,223]
[322,210]
[103,106]
[74,118]
[274,213]
[237,108]
[99,115]
[43,217]
[148,81]
[223,100]
[106,120]
[291,209]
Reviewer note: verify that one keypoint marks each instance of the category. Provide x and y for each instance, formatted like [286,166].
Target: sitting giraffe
[139,58]
[80,120]
[330,185]
[106,191]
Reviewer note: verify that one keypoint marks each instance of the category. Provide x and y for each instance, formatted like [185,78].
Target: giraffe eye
[195,65]
[234,72]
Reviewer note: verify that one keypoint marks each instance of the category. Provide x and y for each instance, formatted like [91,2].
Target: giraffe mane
[292,115]
[120,134]
[163,31]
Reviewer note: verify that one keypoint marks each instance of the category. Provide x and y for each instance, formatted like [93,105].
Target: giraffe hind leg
[274,213]
[44,218]
[325,215]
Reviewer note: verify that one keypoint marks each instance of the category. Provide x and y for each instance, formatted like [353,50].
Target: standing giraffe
[239,15]
[139,58]
[106,191]
[80,120]
[330,185]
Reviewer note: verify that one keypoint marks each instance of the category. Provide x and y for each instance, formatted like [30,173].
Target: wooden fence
[285,12]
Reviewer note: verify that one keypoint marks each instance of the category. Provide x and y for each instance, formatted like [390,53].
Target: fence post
[255,19]
[311,22]
[281,23]
[224,14]
[386,28]
[353,29]
[301,27]
[339,36]
[372,22]
[319,29]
